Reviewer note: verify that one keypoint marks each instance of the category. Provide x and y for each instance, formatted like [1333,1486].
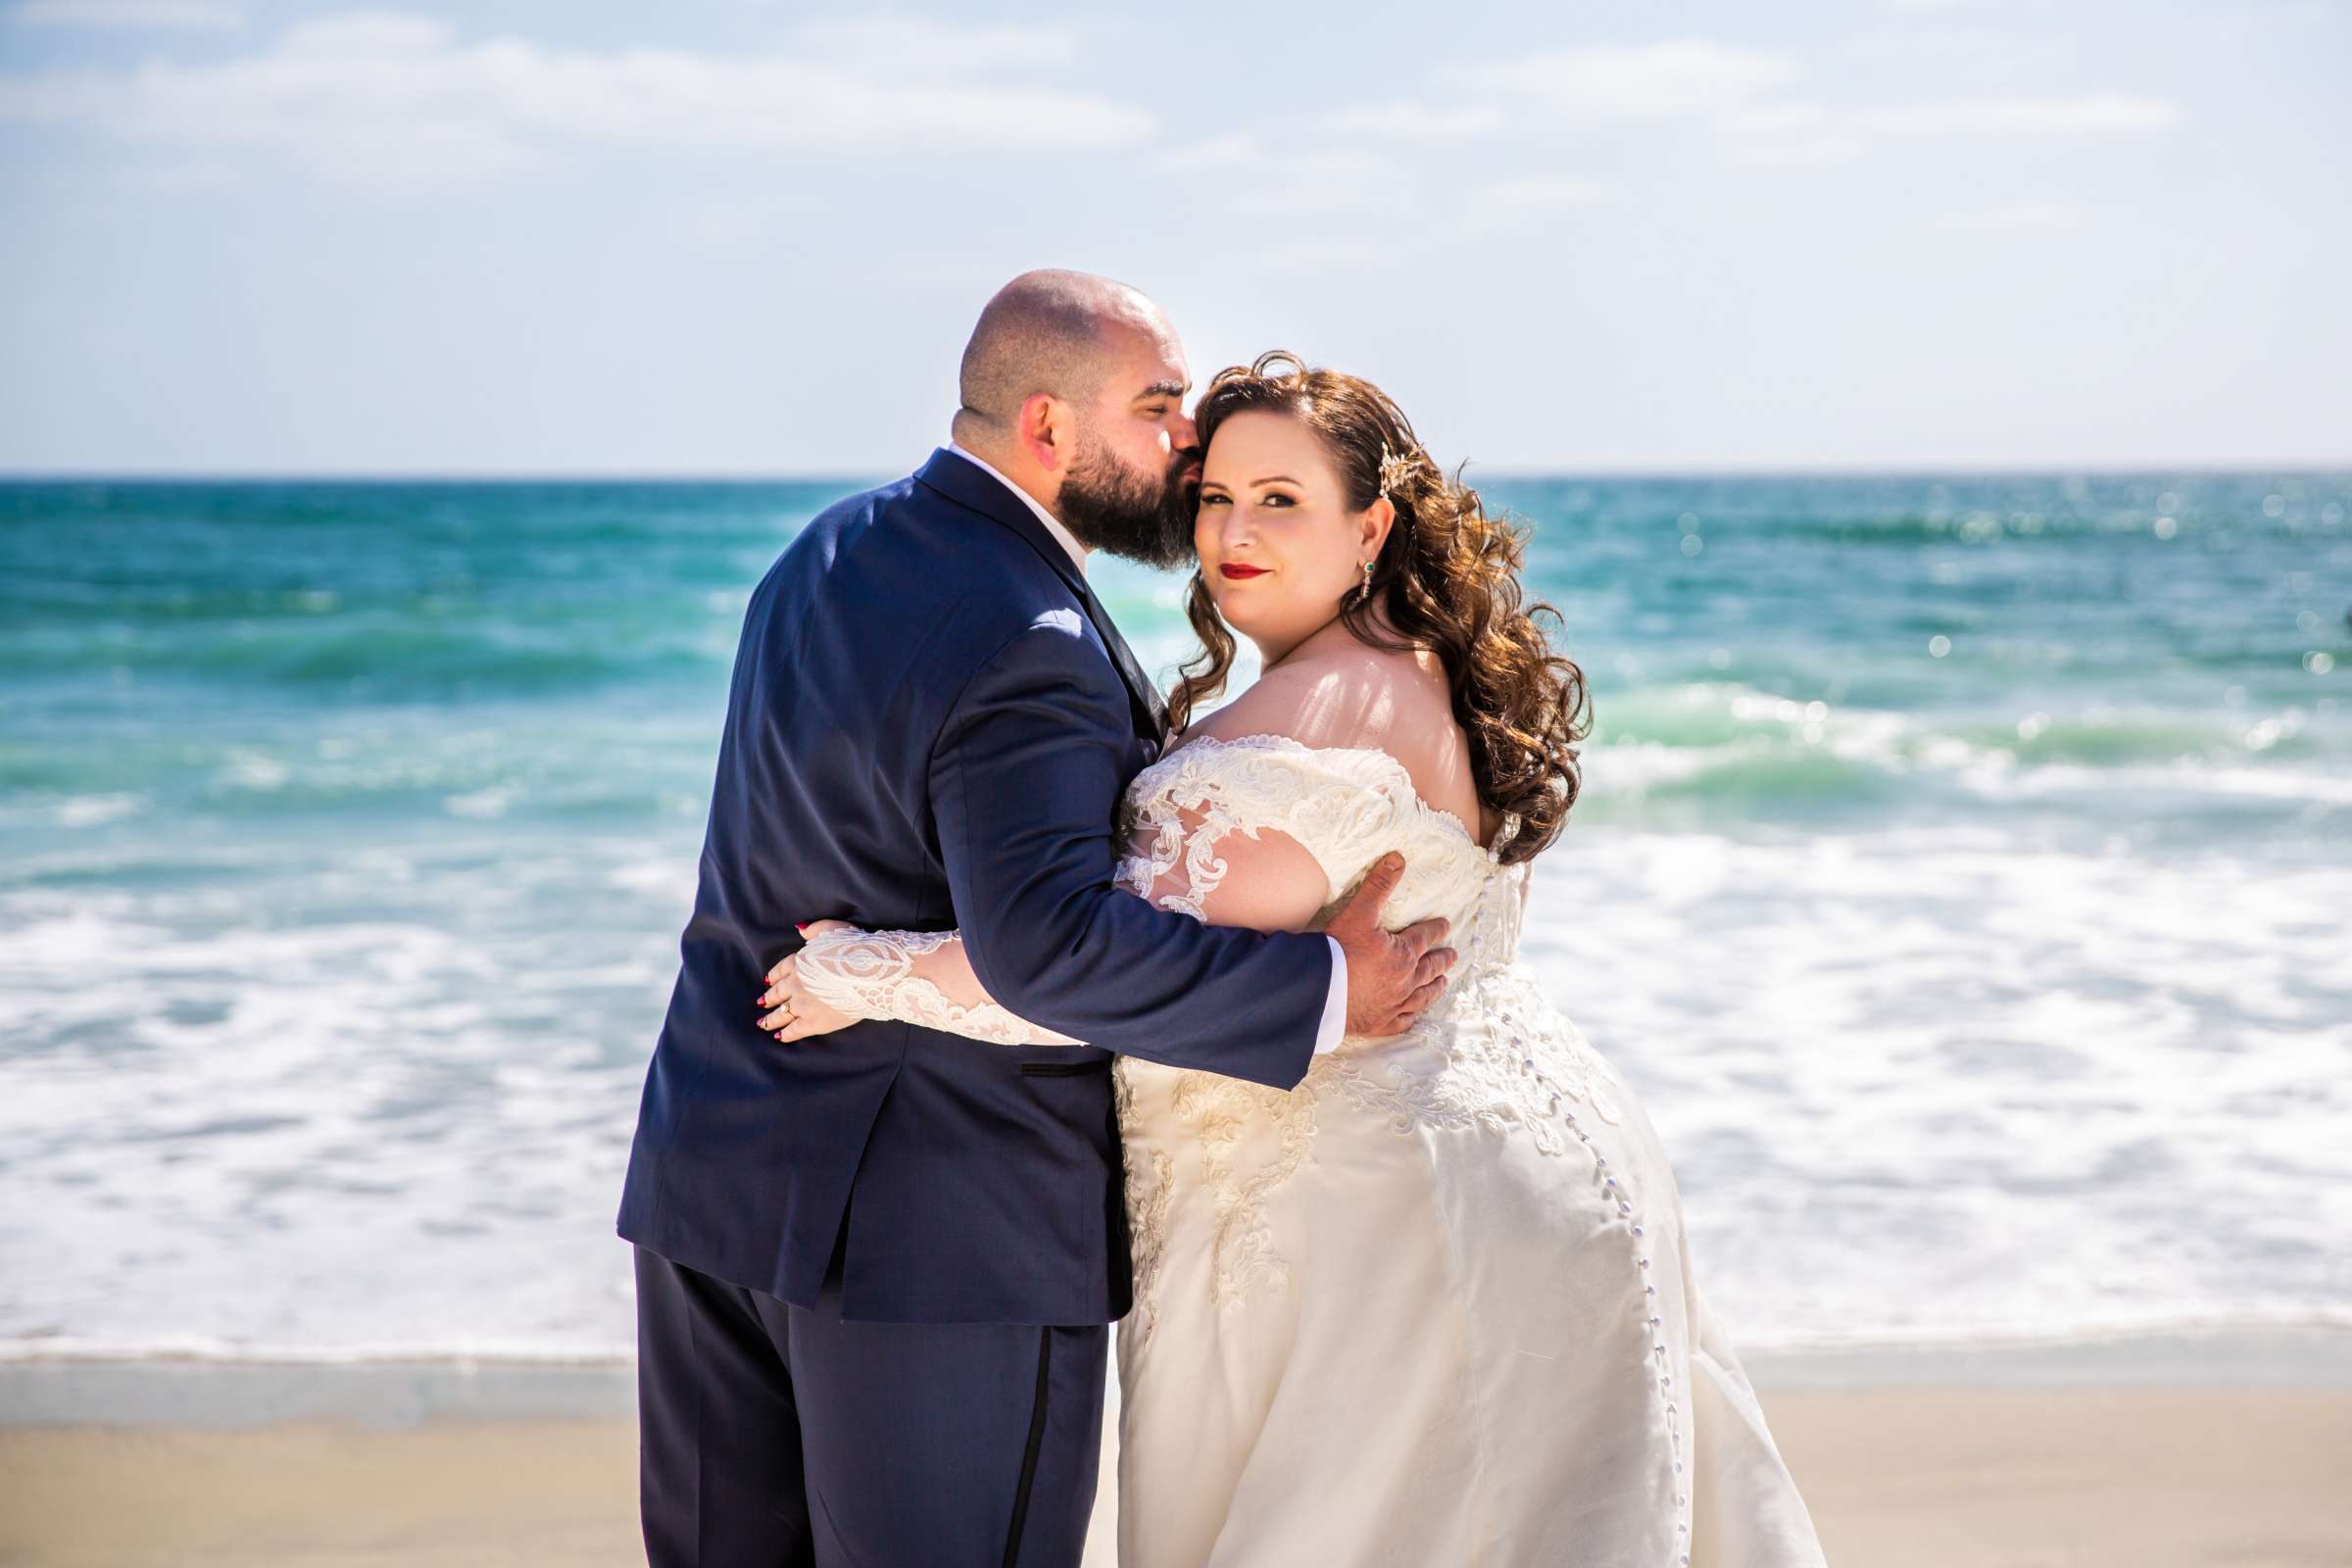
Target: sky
[731,237]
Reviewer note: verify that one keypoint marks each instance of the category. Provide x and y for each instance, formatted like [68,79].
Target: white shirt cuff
[1335,1005]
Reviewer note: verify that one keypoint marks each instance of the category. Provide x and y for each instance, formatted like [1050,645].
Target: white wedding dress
[1431,1307]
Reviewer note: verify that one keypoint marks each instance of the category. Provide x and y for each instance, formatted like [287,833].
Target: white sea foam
[1760,727]
[92,811]
[1917,1085]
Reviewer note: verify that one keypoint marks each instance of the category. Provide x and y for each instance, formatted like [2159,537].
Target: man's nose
[1184,433]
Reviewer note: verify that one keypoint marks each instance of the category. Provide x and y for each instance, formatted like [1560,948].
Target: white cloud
[1782,116]
[1676,76]
[2020,215]
[1294,177]
[2094,113]
[911,45]
[1235,149]
[1804,131]
[1779,152]
[389,96]
[1409,120]
[1939,51]
[1504,205]
[1322,181]
[1374,189]
[1742,92]
[195,15]
[1538,193]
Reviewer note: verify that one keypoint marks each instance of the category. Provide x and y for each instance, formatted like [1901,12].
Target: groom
[874,1273]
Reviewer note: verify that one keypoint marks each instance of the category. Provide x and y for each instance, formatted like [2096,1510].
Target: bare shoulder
[1277,702]
[1353,696]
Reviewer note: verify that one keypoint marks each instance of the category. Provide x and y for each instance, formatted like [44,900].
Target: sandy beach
[1931,1475]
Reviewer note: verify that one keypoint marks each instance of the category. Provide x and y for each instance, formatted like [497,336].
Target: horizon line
[1826,470]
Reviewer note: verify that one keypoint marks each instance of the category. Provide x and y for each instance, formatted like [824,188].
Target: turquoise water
[1960,878]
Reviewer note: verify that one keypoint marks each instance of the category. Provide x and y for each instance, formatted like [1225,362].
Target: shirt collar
[1063,537]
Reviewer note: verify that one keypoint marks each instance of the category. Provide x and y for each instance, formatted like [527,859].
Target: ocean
[1962,879]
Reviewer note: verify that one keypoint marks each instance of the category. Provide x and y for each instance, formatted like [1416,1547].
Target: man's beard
[1136,514]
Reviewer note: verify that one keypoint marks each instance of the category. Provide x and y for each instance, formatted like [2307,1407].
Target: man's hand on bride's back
[1393,976]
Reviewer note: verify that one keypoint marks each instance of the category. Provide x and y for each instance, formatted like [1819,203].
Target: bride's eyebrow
[1275,478]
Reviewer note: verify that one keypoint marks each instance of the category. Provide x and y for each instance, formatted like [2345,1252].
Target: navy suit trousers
[774,1435]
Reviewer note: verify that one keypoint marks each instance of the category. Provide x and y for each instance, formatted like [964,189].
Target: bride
[1432,1306]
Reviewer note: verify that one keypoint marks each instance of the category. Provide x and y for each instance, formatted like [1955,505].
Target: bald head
[1052,331]
[1073,392]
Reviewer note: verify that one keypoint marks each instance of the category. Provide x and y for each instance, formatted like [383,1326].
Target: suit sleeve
[1025,782]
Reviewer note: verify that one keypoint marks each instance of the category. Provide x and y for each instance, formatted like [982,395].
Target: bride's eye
[1213,501]
[1275,498]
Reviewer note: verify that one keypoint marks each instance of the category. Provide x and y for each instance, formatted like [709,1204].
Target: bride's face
[1278,546]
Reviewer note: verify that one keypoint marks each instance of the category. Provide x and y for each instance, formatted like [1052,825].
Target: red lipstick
[1232,570]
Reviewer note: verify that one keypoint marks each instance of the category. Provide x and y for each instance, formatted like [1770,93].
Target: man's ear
[1044,429]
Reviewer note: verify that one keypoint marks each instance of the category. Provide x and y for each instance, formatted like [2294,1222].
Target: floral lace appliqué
[1216,1110]
[1148,1195]
[1510,1065]
[1324,798]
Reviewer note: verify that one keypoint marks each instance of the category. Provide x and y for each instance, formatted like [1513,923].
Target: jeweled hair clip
[1395,467]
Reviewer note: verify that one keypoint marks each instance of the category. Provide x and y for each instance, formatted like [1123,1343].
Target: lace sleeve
[1195,862]
[1265,836]
[1260,831]
[1207,862]
[922,977]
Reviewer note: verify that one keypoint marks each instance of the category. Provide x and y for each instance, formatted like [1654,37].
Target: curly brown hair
[1447,578]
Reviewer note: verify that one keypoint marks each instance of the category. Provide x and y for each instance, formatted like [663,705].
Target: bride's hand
[797,1014]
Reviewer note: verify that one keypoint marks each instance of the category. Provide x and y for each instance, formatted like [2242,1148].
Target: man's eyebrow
[1164,389]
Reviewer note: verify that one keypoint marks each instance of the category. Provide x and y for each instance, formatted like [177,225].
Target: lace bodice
[1299,823]
[1344,805]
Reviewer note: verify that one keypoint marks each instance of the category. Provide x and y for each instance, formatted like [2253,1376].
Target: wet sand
[1928,1475]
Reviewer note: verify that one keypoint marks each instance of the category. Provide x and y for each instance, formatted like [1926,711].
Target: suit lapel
[967,485]
[1149,708]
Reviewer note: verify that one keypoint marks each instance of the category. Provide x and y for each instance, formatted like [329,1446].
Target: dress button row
[1625,1208]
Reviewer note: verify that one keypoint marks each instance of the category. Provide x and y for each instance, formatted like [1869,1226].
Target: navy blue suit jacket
[930,723]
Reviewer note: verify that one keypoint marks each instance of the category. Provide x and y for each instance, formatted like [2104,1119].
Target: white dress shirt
[1335,1004]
